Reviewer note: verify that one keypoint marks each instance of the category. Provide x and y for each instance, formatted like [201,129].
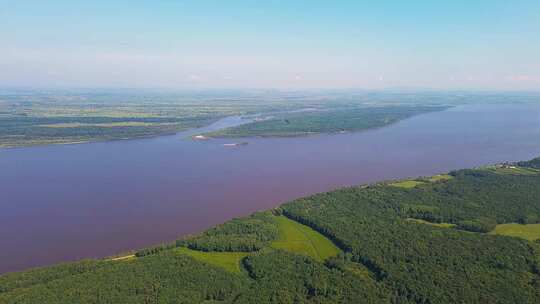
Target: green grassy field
[514,170]
[441,225]
[105,125]
[407,184]
[529,232]
[228,260]
[298,238]
[440,177]
[293,237]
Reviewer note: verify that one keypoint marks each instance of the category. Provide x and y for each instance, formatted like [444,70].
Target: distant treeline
[29,130]
[534,163]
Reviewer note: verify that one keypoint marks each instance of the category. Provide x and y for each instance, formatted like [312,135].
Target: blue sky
[271,44]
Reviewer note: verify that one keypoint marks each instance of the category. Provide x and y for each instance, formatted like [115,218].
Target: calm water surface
[61,203]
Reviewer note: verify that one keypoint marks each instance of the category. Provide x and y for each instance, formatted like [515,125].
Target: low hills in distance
[449,238]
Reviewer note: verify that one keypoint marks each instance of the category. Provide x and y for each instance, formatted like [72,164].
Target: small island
[335,120]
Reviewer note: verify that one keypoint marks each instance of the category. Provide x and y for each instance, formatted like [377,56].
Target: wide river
[60,203]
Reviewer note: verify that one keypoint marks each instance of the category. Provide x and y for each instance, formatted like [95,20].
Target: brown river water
[62,203]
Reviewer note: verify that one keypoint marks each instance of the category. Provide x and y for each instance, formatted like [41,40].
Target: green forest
[441,239]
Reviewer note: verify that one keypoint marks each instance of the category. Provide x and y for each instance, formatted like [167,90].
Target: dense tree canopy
[249,234]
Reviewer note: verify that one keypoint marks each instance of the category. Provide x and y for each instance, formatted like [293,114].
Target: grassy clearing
[513,170]
[441,225]
[440,177]
[229,261]
[407,184]
[529,232]
[123,258]
[105,125]
[298,238]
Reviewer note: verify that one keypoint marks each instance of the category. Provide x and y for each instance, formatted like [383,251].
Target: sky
[458,44]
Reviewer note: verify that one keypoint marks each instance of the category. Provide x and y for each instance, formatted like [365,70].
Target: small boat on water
[200,137]
[235,144]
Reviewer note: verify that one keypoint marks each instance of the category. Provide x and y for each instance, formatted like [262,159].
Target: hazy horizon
[485,45]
